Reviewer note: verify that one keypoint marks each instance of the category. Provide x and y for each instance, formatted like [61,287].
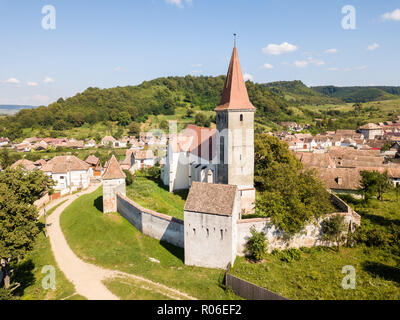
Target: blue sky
[108,43]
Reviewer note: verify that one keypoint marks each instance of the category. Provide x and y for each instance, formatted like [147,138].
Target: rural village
[203,188]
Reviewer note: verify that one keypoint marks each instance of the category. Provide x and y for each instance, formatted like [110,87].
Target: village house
[143,159]
[4,142]
[370,130]
[108,141]
[24,164]
[69,173]
[91,144]
[95,164]
[23,147]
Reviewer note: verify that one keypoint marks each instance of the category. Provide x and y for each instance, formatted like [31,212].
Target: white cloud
[267,66]
[48,80]
[248,76]
[13,81]
[316,62]
[118,68]
[179,3]
[196,65]
[394,15]
[361,68]
[373,47]
[331,51]
[277,49]
[356,68]
[333,69]
[301,64]
[32,84]
[38,99]
[195,72]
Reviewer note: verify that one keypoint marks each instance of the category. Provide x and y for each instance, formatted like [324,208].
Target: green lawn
[29,274]
[318,274]
[127,289]
[154,196]
[112,242]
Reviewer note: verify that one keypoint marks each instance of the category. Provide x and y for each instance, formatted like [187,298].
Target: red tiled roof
[234,95]
[113,170]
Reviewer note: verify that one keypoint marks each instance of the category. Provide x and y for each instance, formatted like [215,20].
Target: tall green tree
[374,183]
[18,216]
[289,194]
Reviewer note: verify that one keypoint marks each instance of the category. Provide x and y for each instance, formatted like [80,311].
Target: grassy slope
[112,242]
[152,196]
[31,271]
[317,275]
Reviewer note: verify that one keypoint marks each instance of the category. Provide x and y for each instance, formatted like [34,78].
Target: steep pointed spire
[235,94]
[113,170]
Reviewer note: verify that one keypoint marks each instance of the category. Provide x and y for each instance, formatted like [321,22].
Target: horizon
[108,44]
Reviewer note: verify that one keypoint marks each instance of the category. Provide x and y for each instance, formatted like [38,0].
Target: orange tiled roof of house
[64,164]
[25,164]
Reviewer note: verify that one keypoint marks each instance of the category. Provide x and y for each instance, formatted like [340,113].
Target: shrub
[129,177]
[333,230]
[288,255]
[257,244]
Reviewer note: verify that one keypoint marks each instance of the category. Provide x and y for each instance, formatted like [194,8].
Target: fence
[248,290]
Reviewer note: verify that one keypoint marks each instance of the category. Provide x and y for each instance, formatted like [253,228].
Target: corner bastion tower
[235,125]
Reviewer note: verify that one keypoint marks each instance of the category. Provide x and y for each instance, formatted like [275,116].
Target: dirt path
[87,278]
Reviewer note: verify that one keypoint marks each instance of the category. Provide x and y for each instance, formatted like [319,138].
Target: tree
[333,230]
[257,244]
[373,183]
[134,129]
[289,194]
[18,216]
[129,177]
[124,119]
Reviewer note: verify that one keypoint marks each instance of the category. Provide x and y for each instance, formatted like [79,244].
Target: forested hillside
[136,103]
[299,94]
[359,94]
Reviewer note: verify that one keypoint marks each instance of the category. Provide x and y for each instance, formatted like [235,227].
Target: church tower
[235,125]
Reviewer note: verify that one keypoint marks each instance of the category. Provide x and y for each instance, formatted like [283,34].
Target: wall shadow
[381,270]
[176,251]
[98,203]
[385,222]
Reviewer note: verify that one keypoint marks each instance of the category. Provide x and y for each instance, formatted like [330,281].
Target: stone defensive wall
[151,223]
[311,235]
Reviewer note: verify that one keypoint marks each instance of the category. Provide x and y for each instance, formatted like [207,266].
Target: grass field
[29,274]
[318,274]
[112,242]
[154,196]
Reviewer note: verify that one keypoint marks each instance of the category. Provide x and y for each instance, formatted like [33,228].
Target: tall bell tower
[235,125]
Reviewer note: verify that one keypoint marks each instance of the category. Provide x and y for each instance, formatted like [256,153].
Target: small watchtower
[113,183]
[211,215]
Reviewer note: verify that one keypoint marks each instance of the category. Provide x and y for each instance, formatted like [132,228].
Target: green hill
[298,93]
[359,94]
[122,105]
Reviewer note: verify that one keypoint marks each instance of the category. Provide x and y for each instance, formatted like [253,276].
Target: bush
[129,177]
[288,255]
[6,294]
[257,244]
[333,230]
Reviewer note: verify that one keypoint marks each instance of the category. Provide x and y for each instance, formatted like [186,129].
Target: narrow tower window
[241,117]
[222,234]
